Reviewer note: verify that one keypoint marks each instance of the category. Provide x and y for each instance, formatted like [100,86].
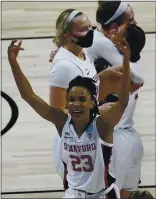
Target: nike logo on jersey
[67,135]
[89,135]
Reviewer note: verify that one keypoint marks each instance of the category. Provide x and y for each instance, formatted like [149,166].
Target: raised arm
[115,111]
[54,115]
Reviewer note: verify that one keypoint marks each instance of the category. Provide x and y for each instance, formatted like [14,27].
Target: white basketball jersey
[79,67]
[83,158]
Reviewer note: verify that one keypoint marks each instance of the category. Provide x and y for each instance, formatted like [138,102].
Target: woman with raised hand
[86,165]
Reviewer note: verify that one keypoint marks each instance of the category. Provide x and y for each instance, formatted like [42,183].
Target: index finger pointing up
[125,42]
[20,43]
[12,42]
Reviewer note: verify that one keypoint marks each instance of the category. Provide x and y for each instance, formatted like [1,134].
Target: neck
[75,49]
[105,32]
[80,126]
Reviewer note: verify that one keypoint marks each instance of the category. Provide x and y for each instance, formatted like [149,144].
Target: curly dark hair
[89,84]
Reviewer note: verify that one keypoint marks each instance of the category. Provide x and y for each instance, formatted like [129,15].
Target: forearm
[135,75]
[116,88]
[56,116]
[125,85]
[117,68]
[135,72]
[22,83]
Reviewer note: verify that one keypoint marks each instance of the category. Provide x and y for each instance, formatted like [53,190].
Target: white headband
[71,17]
[121,9]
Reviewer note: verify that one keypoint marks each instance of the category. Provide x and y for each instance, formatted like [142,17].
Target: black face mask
[86,41]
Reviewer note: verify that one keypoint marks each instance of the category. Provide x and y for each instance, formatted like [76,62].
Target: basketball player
[127,142]
[86,167]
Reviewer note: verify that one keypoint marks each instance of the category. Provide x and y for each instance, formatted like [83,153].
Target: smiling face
[79,103]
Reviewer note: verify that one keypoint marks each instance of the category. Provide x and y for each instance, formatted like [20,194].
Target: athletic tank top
[86,165]
[86,68]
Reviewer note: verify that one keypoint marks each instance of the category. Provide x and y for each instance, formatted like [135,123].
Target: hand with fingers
[13,50]
[54,50]
[52,55]
[124,49]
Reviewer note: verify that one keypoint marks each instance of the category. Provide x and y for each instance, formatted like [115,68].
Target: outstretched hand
[13,50]
[124,48]
[52,55]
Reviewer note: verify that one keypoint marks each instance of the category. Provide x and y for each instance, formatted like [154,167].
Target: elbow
[23,95]
[27,97]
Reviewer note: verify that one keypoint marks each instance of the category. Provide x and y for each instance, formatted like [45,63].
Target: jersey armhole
[106,143]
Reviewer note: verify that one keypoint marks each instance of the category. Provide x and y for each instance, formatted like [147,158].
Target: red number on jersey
[76,163]
[88,163]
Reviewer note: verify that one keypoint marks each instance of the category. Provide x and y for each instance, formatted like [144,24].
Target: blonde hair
[60,24]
